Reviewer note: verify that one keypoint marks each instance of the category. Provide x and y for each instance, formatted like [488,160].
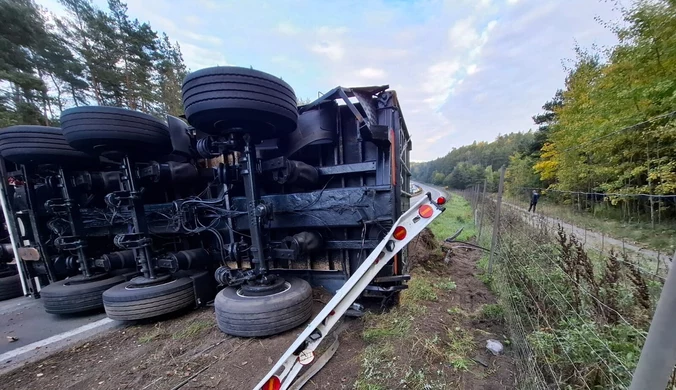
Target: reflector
[425,211]
[272,384]
[399,233]
[441,200]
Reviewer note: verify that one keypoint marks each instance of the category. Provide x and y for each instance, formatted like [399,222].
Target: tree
[520,175]
[438,178]
[170,74]
[546,121]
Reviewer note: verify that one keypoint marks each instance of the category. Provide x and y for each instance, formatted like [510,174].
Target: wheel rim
[279,287]
[81,279]
[143,282]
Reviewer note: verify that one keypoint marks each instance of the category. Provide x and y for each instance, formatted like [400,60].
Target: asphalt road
[436,192]
[26,327]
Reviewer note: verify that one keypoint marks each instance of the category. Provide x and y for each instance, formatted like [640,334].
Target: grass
[387,333]
[447,285]
[493,312]
[192,330]
[483,276]
[419,289]
[458,215]
[394,324]
[377,367]
[156,333]
[460,347]
[457,310]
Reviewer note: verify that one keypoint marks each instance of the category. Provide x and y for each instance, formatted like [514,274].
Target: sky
[464,70]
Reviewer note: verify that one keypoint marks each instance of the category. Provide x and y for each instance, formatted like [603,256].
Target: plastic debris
[494,346]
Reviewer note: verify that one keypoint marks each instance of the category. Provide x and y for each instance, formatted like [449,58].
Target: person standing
[534,200]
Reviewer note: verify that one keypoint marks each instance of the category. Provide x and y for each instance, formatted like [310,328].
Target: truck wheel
[224,98]
[105,130]
[10,287]
[76,295]
[39,145]
[258,316]
[126,302]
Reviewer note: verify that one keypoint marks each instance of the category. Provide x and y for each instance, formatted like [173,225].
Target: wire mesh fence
[578,301]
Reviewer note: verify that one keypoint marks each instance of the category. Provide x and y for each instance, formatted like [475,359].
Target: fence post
[496,223]
[658,355]
[652,213]
[481,213]
[473,197]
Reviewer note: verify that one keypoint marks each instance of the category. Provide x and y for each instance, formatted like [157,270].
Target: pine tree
[170,74]
[48,64]
[24,43]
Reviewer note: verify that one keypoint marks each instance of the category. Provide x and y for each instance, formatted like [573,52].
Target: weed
[192,330]
[461,364]
[417,380]
[486,279]
[432,349]
[447,285]
[457,310]
[377,367]
[395,324]
[419,289]
[482,264]
[493,312]
[461,345]
[573,301]
[156,333]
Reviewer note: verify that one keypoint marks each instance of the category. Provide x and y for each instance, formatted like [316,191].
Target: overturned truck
[247,193]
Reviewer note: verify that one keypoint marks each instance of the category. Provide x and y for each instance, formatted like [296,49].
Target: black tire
[67,297]
[221,98]
[127,303]
[39,145]
[10,287]
[260,316]
[104,130]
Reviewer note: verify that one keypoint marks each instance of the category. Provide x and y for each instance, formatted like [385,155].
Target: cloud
[211,4]
[464,70]
[164,23]
[372,73]
[197,57]
[331,30]
[286,28]
[209,39]
[289,63]
[463,34]
[193,20]
[331,50]
[440,80]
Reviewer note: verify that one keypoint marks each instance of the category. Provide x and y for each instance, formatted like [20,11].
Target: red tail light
[425,211]
[273,384]
[441,200]
[399,233]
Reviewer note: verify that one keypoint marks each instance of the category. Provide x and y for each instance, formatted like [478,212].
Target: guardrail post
[496,223]
[658,355]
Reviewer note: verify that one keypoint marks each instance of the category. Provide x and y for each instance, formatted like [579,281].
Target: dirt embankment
[434,339]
